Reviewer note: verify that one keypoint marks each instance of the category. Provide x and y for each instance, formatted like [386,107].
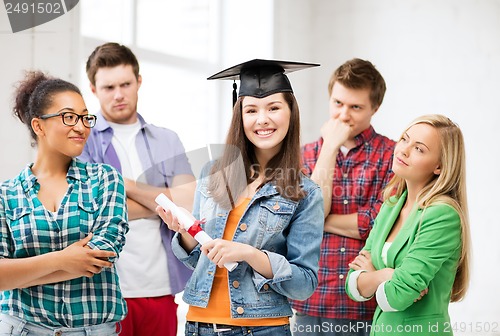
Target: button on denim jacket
[289,232]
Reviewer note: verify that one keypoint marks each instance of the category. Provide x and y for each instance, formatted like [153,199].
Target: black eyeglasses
[71,118]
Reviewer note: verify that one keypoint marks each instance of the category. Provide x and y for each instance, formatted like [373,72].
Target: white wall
[53,48]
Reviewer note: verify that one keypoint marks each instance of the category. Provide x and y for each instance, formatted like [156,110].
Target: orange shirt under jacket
[219,306]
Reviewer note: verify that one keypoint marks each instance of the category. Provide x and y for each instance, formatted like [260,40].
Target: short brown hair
[360,74]
[110,55]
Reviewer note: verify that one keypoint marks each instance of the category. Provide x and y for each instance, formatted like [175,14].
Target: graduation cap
[260,78]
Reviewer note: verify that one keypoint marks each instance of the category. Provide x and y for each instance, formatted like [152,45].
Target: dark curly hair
[35,94]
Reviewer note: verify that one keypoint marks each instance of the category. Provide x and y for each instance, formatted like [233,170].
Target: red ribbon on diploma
[195,228]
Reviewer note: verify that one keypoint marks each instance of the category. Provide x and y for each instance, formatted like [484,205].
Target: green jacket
[424,254]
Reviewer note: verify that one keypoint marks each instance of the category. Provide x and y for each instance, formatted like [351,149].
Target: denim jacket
[289,232]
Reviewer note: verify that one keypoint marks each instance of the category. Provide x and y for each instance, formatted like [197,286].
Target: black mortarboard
[260,78]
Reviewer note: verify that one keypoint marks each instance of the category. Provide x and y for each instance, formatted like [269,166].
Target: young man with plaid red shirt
[352,164]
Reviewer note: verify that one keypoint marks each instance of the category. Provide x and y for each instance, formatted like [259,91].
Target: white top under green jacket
[424,254]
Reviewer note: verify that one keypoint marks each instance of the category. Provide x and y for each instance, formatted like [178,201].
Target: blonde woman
[415,260]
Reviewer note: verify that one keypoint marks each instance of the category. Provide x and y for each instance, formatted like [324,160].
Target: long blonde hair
[448,187]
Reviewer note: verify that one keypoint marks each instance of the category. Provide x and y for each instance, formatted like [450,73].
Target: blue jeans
[14,326]
[306,325]
[195,329]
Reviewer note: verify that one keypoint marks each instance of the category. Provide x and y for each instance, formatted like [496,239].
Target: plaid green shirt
[94,202]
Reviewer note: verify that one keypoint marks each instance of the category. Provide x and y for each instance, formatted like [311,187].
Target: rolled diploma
[187,220]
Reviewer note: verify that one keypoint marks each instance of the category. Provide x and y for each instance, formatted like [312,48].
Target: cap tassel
[235,97]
